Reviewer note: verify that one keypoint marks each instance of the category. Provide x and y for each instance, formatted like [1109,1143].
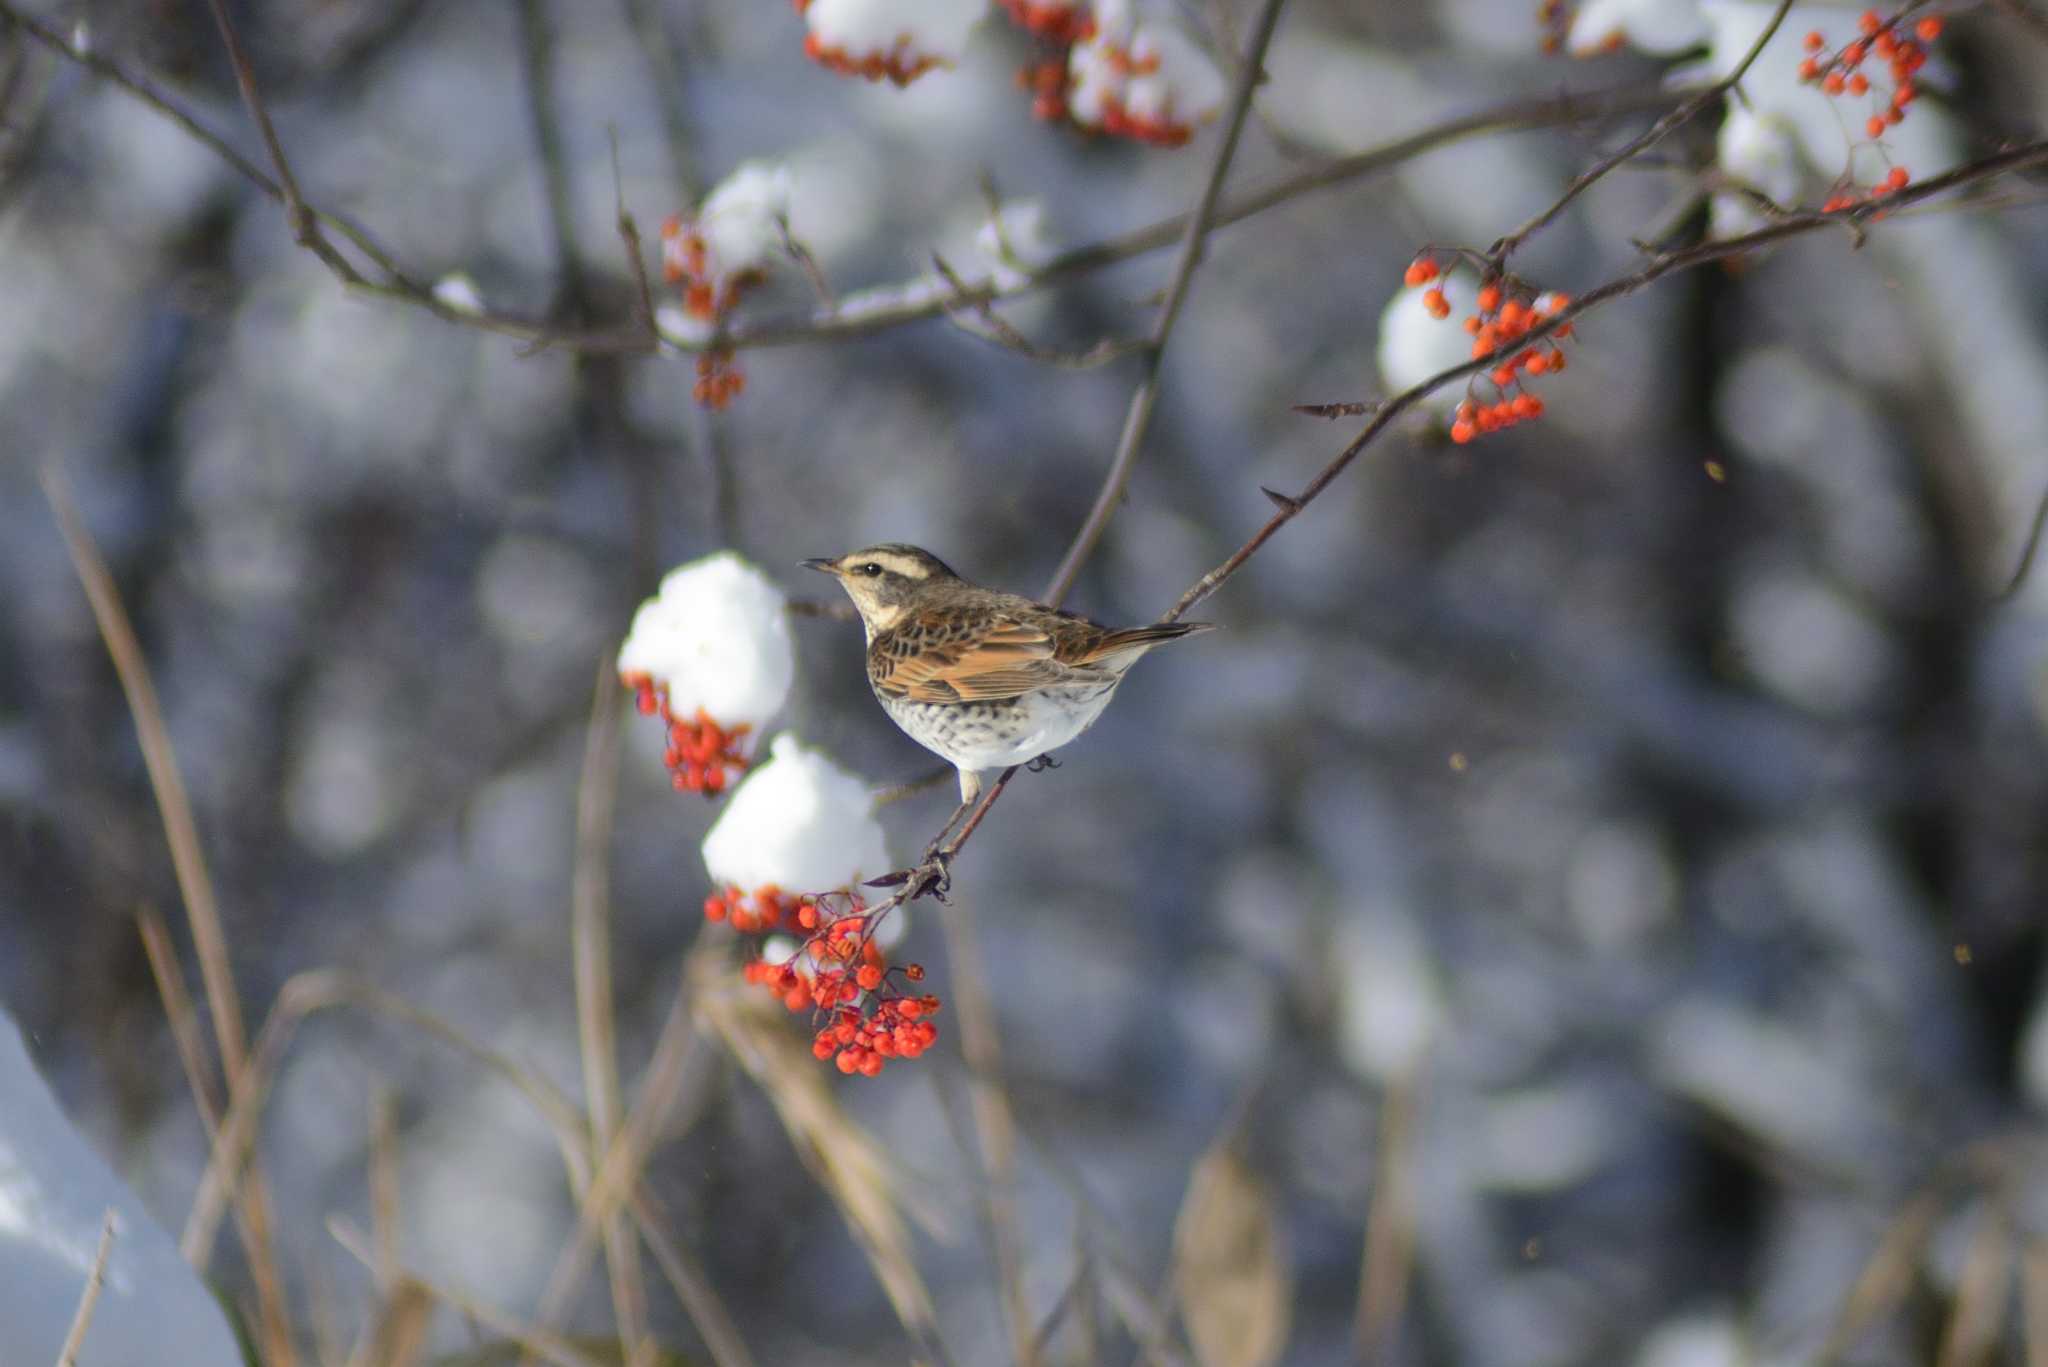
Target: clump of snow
[717,637]
[894,39]
[1014,235]
[799,823]
[1761,150]
[1415,346]
[741,221]
[1827,130]
[458,292]
[1143,78]
[1012,242]
[1661,27]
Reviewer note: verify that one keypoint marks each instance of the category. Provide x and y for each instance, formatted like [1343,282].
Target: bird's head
[885,581]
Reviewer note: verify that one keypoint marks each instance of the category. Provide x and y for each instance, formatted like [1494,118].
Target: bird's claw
[1043,762]
[933,876]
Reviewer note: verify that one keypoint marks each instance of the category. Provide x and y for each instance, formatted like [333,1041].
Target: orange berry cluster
[685,262]
[769,908]
[1057,21]
[1120,122]
[1047,82]
[899,65]
[1117,121]
[1842,72]
[700,751]
[841,972]
[1504,318]
[719,379]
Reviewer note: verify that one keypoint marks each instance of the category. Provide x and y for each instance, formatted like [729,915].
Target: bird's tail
[1135,641]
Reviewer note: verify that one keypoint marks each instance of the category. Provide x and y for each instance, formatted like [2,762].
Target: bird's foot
[1043,762]
[933,876]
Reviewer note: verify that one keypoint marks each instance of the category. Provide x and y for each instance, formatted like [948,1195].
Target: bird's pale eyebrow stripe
[901,564]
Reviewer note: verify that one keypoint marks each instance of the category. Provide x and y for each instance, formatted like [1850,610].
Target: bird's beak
[830,567]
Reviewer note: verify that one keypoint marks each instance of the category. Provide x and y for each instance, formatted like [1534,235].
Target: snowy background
[1670,847]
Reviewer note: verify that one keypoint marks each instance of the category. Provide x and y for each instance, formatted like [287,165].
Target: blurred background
[1592,888]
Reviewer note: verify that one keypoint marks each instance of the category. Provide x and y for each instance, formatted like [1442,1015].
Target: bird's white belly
[996,736]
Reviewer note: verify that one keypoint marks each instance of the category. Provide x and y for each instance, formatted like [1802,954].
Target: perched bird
[982,679]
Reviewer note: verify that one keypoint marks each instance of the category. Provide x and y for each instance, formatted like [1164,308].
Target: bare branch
[1139,416]
[2015,159]
[1650,137]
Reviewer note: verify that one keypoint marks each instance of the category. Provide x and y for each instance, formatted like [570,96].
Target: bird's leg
[1042,763]
[934,861]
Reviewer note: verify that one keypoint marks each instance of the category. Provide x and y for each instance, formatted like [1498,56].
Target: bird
[980,678]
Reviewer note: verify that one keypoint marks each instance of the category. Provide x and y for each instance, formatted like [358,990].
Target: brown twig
[195,883]
[553,1348]
[537,72]
[1642,142]
[597,1029]
[882,310]
[89,1298]
[1290,506]
[994,1126]
[1195,237]
[980,321]
[301,220]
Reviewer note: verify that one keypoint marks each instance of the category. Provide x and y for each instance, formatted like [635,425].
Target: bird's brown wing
[968,655]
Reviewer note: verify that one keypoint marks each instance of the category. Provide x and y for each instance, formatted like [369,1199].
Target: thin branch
[995,1126]
[869,311]
[1650,137]
[2024,15]
[303,223]
[557,1350]
[2027,553]
[1143,398]
[597,1028]
[174,804]
[89,1298]
[980,321]
[195,883]
[537,69]
[666,79]
[2014,159]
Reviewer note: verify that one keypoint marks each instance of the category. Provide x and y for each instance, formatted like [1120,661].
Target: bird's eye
[871,569]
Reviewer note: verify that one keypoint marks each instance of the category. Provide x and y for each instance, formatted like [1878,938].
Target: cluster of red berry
[1064,22]
[700,751]
[1503,319]
[841,972]
[685,262]
[900,65]
[1554,18]
[768,908]
[1842,73]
